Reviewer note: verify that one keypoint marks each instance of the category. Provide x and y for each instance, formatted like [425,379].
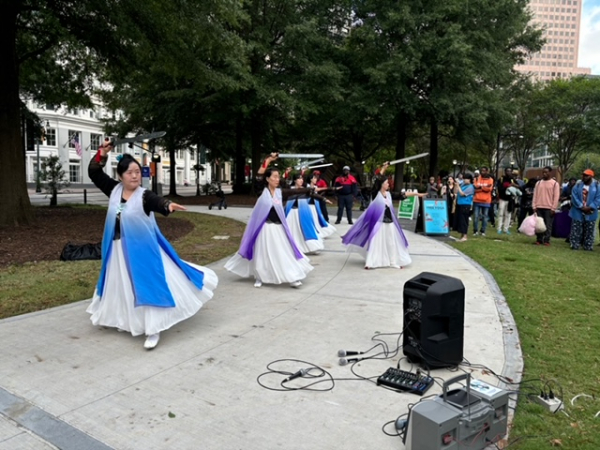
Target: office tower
[561,21]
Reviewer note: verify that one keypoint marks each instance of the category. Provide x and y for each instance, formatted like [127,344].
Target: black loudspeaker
[434,318]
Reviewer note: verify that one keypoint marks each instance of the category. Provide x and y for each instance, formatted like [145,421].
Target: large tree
[174,85]
[54,51]
[569,111]
[437,62]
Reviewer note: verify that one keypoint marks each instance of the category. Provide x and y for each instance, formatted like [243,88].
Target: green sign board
[406,208]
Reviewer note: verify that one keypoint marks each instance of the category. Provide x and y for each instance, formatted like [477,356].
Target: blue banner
[435,216]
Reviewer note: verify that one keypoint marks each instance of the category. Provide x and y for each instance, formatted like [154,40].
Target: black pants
[462,218]
[546,214]
[345,201]
[524,212]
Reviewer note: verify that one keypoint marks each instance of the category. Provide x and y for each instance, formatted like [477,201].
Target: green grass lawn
[36,286]
[553,293]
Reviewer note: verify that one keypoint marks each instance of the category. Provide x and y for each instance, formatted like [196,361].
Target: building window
[95,140]
[75,171]
[51,137]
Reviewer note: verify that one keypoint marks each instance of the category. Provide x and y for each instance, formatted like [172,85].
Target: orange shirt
[483,190]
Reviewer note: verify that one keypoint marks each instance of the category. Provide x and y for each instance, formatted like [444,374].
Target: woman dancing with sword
[268,251]
[376,234]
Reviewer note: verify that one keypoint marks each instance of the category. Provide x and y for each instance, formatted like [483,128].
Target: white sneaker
[296,284]
[257,283]
[152,341]
[483,234]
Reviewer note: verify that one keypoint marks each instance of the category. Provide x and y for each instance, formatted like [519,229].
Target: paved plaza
[67,384]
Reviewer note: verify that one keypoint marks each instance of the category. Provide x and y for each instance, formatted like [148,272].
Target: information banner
[407,207]
[435,216]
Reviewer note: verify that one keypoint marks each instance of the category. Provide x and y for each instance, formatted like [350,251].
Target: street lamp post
[454,163]
[38,185]
[197,169]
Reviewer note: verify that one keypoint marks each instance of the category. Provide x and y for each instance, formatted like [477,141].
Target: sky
[589,38]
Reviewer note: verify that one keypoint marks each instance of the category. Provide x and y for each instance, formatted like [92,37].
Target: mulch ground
[53,228]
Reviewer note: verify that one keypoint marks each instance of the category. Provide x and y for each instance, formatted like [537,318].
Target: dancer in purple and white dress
[268,251]
[376,234]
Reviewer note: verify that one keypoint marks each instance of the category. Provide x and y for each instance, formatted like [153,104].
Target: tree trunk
[172,168]
[15,207]
[400,151]
[240,157]
[357,149]
[433,147]
[257,156]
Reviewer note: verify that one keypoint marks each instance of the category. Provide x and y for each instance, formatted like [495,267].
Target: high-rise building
[561,22]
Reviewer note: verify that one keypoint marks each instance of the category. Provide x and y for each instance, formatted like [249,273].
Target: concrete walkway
[67,384]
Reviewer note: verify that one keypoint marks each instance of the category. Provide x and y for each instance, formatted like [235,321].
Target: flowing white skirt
[116,307]
[386,249]
[274,261]
[310,246]
[323,231]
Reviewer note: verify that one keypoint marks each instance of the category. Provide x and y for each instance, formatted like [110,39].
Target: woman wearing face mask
[268,251]
[144,287]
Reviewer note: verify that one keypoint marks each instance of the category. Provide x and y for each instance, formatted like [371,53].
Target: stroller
[221,202]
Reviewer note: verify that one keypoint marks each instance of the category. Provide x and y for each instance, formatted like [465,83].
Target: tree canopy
[348,79]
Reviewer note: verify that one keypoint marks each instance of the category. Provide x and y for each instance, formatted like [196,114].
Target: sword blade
[300,155]
[409,158]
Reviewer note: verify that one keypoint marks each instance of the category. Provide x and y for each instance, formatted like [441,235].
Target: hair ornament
[119,158]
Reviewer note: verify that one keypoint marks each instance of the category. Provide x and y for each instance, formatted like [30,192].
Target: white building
[64,126]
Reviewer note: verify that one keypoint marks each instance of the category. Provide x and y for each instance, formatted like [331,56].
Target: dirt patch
[45,239]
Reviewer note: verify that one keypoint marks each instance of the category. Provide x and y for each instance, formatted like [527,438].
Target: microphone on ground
[344,361]
[342,353]
[298,374]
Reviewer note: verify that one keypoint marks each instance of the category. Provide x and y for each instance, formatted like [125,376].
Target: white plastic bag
[528,226]
[540,226]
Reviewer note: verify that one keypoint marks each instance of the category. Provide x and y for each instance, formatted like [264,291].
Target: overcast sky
[589,39]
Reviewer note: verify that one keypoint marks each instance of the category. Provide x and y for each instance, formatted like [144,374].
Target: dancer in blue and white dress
[324,228]
[301,220]
[144,287]
[268,251]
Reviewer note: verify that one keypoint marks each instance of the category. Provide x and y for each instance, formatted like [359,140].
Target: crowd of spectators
[568,211]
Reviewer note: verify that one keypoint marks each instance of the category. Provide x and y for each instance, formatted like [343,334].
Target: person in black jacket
[506,202]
